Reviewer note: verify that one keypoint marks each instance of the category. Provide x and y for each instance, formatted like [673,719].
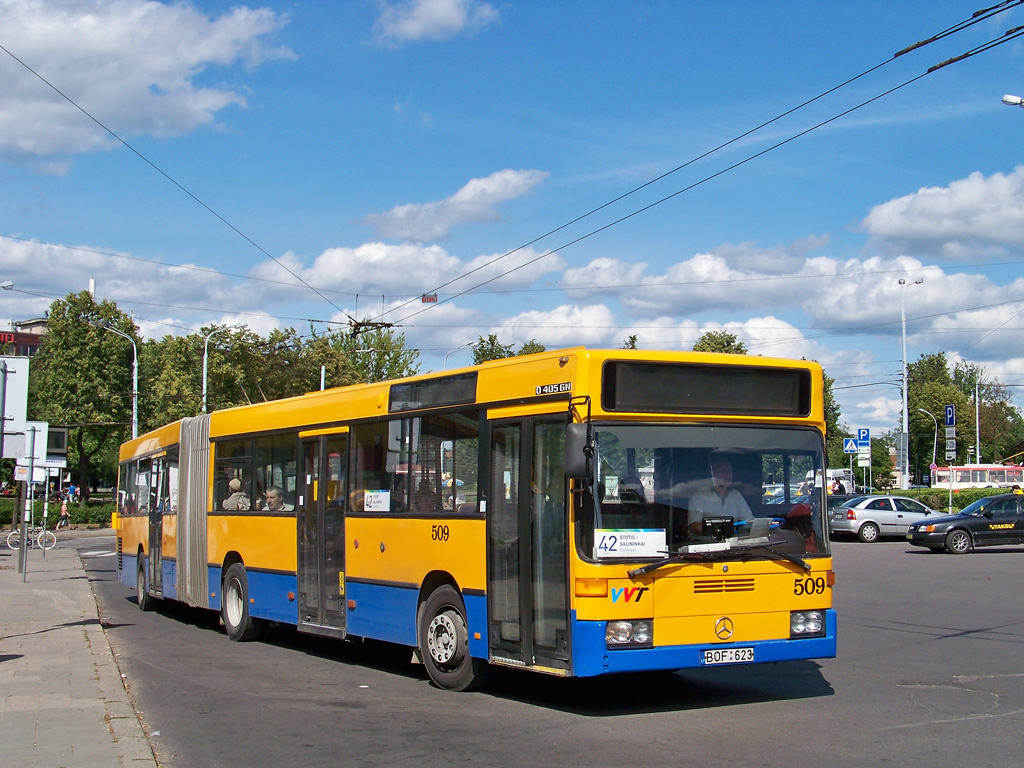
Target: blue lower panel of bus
[268,589]
[387,612]
[591,655]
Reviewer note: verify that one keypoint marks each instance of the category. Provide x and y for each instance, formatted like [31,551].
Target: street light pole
[905,444]
[106,326]
[935,439]
[206,349]
[454,350]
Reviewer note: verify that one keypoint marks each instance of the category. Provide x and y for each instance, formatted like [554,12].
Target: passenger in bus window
[721,499]
[425,499]
[237,500]
[275,500]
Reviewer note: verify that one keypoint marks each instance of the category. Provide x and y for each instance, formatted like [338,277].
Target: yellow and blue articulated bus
[577,512]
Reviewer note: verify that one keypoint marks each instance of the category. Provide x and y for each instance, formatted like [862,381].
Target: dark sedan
[988,522]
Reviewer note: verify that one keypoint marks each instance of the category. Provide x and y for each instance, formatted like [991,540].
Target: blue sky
[379,150]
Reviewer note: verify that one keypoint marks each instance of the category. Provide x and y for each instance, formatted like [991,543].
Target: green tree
[834,430]
[490,349]
[82,377]
[720,341]
[630,342]
[380,355]
[932,388]
[531,347]
[881,461]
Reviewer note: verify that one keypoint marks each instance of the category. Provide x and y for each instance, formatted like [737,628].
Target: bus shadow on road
[610,696]
[651,692]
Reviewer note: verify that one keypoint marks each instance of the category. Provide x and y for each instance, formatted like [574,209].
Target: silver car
[870,517]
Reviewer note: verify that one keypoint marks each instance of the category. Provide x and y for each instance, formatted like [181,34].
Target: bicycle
[37,537]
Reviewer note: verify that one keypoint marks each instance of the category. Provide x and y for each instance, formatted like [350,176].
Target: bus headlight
[806,624]
[638,633]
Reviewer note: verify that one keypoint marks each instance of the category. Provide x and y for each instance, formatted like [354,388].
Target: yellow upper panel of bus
[516,384]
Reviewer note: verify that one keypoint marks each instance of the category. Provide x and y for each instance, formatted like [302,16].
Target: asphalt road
[930,672]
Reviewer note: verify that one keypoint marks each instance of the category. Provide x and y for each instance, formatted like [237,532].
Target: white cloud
[740,277]
[971,215]
[132,64]
[475,202]
[411,20]
[563,326]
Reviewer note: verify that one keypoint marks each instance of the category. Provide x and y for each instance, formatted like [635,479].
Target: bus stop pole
[23,550]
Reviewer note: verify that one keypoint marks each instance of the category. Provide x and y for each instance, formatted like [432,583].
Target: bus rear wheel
[234,605]
[444,642]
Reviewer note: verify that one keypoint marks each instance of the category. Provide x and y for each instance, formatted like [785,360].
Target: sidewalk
[62,700]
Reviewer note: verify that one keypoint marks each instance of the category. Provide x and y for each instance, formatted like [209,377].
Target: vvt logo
[628,594]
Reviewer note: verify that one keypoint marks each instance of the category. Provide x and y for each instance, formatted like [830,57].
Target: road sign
[933,466]
[950,432]
[950,456]
[849,445]
[950,415]
[863,435]
[864,460]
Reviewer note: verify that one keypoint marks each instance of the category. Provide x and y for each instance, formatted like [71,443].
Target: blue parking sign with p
[863,435]
[950,415]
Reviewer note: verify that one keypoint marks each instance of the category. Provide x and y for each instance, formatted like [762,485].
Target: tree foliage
[720,341]
[82,377]
[82,374]
[932,387]
[492,349]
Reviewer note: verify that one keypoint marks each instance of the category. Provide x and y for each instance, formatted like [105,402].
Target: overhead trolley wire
[976,18]
[171,179]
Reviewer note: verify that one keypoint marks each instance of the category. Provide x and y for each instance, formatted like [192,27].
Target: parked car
[871,517]
[842,499]
[988,522]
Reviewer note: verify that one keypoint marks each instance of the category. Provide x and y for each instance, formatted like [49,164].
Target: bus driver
[720,500]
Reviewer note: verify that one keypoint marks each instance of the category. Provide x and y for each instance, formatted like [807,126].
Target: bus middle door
[320,522]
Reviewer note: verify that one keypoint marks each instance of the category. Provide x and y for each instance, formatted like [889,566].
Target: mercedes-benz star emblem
[724,628]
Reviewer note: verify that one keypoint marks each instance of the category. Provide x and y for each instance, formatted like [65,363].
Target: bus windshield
[662,489]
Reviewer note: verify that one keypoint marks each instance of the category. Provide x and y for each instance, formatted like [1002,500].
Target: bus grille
[710,586]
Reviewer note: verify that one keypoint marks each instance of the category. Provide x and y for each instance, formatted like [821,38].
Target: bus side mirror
[576,449]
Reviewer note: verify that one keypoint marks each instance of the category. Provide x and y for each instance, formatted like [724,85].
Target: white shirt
[710,504]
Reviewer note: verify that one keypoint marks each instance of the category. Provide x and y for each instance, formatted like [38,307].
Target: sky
[573,173]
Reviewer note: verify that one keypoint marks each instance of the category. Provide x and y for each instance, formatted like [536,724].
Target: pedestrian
[65,518]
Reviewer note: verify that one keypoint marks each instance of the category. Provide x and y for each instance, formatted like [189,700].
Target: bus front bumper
[591,655]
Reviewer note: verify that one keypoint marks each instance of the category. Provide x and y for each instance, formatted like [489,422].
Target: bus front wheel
[234,605]
[444,642]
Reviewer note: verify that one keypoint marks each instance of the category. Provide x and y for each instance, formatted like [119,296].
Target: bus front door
[528,606]
[320,522]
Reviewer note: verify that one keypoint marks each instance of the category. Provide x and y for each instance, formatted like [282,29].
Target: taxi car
[988,522]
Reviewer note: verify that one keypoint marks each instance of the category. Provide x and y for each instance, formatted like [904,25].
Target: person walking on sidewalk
[65,518]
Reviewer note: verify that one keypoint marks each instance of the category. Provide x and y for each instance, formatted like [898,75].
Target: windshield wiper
[716,550]
[676,558]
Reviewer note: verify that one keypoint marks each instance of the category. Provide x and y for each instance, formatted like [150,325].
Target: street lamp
[1013,101]
[106,326]
[905,461]
[454,350]
[935,439]
[206,349]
